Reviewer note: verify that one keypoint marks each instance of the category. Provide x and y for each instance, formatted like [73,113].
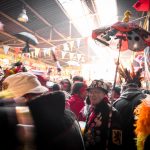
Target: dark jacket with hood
[55,127]
[126,104]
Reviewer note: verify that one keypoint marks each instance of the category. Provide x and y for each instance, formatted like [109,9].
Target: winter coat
[126,104]
[97,133]
[76,103]
[55,127]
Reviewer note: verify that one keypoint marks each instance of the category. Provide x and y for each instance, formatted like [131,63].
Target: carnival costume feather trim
[142,124]
[130,76]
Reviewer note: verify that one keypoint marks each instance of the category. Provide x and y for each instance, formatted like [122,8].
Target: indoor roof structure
[55,22]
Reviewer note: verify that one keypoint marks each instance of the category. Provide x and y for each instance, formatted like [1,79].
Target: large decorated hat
[100,84]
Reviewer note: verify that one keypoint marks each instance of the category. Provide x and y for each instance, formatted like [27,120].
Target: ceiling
[49,22]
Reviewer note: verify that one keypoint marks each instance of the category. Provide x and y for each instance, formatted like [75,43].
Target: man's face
[96,96]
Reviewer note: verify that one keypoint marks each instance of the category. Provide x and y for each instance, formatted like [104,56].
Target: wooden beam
[13,37]
[42,19]
[25,28]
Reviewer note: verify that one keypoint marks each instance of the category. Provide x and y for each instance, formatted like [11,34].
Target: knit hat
[100,85]
[22,83]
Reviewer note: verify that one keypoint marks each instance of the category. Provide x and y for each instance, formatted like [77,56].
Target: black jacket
[97,132]
[55,127]
[126,104]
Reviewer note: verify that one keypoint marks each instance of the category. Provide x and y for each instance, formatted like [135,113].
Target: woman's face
[83,92]
[96,96]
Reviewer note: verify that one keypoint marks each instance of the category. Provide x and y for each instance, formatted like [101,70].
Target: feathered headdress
[130,77]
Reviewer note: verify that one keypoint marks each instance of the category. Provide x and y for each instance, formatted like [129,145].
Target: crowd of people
[36,114]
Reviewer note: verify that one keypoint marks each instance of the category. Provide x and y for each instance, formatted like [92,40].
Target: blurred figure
[65,85]
[53,87]
[77,79]
[56,128]
[116,92]
[15,120]
[42,123]
[103,125]
[78,95]
[56,87]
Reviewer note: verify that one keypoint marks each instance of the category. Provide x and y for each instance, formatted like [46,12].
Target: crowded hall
[74,74]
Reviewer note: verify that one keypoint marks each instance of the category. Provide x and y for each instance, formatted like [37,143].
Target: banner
[71,55]
[78,42]
[32,54]
[71,45]
[49,52]
[65,47]
[63,53]
[17,49]
[37,50]
[45,51]
[53,49]
[6,48]
[79,56]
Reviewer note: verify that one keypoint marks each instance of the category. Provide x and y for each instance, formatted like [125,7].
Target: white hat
[22,83]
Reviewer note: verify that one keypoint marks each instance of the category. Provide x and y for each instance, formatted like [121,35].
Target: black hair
[56,87]
[117,89]
[68,82]
[77,78]
[76,87]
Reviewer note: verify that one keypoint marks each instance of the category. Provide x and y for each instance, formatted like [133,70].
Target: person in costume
[142,125]
[103,124]
[130,98]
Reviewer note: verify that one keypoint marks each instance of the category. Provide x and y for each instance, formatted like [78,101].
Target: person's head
[65,85]
[52,86]
[77,79]
[116,91]
[22,84]
[109,85]
[128,86]
[79,88]
[97,91]
[130,79]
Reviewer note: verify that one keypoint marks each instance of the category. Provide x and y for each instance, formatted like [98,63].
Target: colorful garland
[16,67]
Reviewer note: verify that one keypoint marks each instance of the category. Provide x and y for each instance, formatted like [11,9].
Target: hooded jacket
[55,127]
[126,104]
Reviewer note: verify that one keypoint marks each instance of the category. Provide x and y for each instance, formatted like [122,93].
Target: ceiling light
[23,16]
